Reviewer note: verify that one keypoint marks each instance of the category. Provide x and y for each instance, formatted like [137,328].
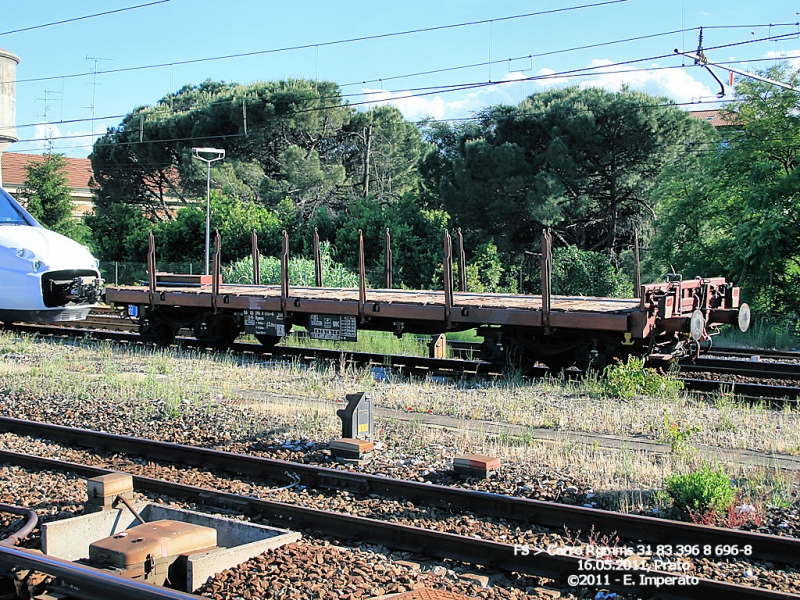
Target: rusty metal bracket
[215,271]
[462,262]
[547,272]
[447,272]
[672,278]
[256,258]
[151,267]
[387,262]
[317,260]
[637,271]
[362,277]
[31,520]
[285,272]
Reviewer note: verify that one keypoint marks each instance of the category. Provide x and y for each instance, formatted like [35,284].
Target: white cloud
[676,84]
[681,85]
[549,78]
[75,143]
[455,105]
[791,56]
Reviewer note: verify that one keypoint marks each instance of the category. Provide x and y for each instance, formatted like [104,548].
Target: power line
[426,91]
[102,14]
[576,73]
[572,49]
[329,43]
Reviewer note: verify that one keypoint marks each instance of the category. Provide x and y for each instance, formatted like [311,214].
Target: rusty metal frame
[151,267]
[429,310]
[547,279]
[285,273]
[637,272]
[462,262]
[256,258]
[317,260]
[447,273]
[362,277]
[216,271]
[387,258]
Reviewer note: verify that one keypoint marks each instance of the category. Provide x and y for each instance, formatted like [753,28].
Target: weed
[170,409]
[702,491]
[627,380]
[678,437]
[734,517]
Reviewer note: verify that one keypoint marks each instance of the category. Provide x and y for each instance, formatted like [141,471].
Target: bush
[301,271]
[704,490]
[628,379]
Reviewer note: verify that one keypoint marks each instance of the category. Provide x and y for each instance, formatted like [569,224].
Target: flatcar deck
[415,297]
[409,306]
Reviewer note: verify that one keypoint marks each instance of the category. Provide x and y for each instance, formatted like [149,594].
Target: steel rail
[755,392]
[747,368]
[549,514]
[405,363]
[552,565]
[747,352]
[94,584]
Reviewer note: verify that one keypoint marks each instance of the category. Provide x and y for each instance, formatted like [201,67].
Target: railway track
[658,537]
[751,380]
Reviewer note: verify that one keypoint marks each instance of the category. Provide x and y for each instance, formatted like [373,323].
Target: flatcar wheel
[155,331]
[218,332]
[558,362]
[268,341]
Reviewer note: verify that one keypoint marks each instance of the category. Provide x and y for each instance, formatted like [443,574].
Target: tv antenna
[94,83]
[48,135]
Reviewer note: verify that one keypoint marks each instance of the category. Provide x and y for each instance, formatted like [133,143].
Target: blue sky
[379,70]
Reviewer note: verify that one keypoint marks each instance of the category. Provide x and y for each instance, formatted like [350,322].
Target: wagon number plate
[332,327]
[264,322]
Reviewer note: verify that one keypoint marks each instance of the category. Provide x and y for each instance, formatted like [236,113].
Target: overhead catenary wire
[308,46]
[430,90]
[565,50]
[92,16]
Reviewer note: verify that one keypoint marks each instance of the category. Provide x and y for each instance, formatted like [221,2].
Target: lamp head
[212,153]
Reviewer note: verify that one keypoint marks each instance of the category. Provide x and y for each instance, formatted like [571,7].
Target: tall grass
[301,271]
[761,334]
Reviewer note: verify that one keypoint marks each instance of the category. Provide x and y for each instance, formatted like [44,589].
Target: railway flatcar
[667,321]
[44,276]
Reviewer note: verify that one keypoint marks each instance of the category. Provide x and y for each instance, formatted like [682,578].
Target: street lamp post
[219,155]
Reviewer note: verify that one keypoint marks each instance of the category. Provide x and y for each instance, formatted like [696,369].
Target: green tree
[417,237]
[582,161]
[46,193]
[146,161]
[184,238]
[119,232]
[736,211]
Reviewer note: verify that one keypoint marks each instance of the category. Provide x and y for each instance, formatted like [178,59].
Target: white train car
[44,276]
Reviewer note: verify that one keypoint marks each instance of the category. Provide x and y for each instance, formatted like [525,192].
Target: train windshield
[11,213]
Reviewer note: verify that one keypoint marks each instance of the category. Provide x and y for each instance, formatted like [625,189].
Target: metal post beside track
[317,260]
[547,266]
[362,277]
[256,259]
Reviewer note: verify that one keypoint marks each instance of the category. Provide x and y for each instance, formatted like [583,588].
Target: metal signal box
[155,552]
[358,417]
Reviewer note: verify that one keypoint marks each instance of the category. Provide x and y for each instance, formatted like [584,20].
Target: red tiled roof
[78,170]
[712,116]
